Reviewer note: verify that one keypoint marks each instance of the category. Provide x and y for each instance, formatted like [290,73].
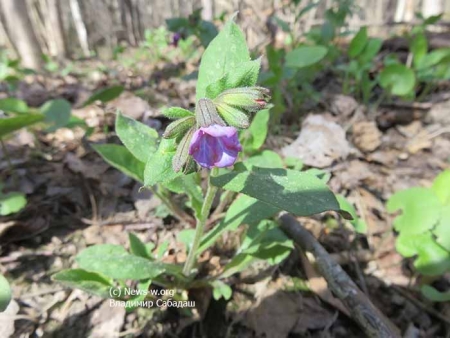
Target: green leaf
[207,32]
[305,56]
[177,113]
[358,43]
[105,95]
[432,259]
[441,187]
[139,139]
[186,236]
[244,210]
[57,112]
[300,193]
[142,286]
[264,241]
[11,124]
[90,282]
[264,236]
[221,290]
[420,210]
[258,129]
[433,58]
[12,203]
[265,159]
[137,247]
[398,79]
[370,51]
[432,19]
[358,224]
[121,158]
[115,262]
[5,293]
[13,105]
[224,53]
[434,295]
[442,229]
[237,264]
[244,74]
[175,24]
[162,248]
[158,168]
[282,24]
[418,47]
[293,163]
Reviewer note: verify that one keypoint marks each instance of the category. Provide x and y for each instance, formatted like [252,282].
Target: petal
[228,159]
[215,146]
[219,131]
[195,140]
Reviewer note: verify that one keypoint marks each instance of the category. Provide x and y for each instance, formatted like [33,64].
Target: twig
[370,319]
[419,304]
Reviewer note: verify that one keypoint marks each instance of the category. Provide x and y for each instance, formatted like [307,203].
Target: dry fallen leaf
[320,143]
[366,136]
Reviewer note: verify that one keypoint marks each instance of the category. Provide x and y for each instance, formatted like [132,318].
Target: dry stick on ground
[371,320]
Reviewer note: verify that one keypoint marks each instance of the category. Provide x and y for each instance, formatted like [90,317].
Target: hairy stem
[200,226]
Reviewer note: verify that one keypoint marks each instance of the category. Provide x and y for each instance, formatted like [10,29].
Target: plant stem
[200,226]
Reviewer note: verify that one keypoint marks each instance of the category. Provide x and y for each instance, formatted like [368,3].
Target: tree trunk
[432,7]
[80,27]
[21,33]
[208,10]
[54,27]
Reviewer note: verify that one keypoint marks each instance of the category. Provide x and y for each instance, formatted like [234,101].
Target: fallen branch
[371,320]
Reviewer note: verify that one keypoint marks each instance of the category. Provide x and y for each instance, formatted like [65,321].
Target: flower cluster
[210,136]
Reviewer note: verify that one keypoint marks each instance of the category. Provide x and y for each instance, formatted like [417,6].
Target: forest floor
[75,199]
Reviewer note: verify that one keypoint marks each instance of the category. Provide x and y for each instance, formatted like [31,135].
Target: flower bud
[182,153]
[179,127]
[206,114]
[249,99]
[233,116]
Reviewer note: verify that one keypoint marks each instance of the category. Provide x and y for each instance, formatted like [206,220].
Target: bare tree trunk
[80,26]
[208,10]
[54,27]
[4,38]
[432,7]
[20,31]
[127,22]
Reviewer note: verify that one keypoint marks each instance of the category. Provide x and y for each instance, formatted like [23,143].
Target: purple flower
[175,38]
[215,146]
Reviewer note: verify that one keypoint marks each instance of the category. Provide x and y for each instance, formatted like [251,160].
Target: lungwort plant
[212,143]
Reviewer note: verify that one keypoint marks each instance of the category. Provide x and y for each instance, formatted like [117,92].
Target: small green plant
[252,191]
[424,230]
[423,69]
[193,25]
[293,72]
[357,72]
[10,70]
